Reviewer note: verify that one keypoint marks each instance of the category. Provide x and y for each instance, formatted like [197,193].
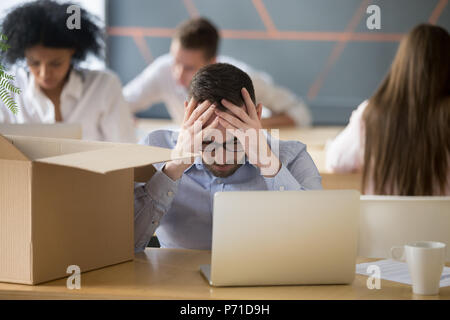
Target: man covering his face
[222,125]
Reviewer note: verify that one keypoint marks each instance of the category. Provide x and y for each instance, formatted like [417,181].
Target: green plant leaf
[8,101]
[4,46]
[5,86]
[4,75]
[4,83]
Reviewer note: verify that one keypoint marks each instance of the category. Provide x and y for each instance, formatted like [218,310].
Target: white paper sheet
[398,271]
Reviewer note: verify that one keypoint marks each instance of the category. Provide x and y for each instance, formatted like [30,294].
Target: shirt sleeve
[145,89]
[116,122]
[300,174]
[279,99]
[345,152]
[151,201]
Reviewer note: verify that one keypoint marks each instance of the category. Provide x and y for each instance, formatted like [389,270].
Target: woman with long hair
[400,137]
[55,88]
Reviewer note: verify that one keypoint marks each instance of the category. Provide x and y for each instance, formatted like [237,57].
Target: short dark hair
[198,33]
[44,22]
[218,81]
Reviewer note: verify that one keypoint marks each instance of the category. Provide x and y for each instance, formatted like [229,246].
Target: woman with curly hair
[54,87]
[400,137]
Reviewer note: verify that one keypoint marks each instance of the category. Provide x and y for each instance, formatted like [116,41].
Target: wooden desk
[316,137]
[338,181]
[174,274]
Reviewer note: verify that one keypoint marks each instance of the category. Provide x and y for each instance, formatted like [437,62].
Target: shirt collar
[34,88]
[74,85]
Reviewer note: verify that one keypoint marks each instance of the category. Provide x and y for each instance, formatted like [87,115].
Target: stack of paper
[397,271]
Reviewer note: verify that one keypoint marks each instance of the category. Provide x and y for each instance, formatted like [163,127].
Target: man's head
[215,82]
[194,45]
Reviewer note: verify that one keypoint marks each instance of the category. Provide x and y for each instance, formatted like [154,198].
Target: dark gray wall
[295,64]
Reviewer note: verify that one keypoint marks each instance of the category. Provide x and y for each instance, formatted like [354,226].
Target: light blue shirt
[181,211]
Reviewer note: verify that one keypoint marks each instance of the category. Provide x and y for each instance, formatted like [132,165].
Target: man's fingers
[258,110]
[239,112]
[232,119]
[207,131]
[249,103]
[190,106]
[227,125]
[214,124]
[185,111]
[207,114]
[234,131]
[198,112]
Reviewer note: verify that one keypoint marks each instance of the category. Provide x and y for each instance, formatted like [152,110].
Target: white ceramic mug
[426,261]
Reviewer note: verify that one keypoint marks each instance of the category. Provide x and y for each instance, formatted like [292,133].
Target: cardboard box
[67,202]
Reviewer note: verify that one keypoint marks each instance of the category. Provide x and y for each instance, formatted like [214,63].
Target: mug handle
[396,249]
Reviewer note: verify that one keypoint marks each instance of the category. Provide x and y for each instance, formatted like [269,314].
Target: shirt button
[282,188]
[218,181]
[170,193]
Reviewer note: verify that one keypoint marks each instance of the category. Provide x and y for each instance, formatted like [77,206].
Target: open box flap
[9,152]
[40,147]
[111,159]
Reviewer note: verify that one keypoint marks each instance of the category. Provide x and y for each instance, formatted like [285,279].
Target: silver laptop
[283,238]
[46,130]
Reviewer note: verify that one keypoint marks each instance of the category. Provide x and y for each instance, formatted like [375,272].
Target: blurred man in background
[194,45]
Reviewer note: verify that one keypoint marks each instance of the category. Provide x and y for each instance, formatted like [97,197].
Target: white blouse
[346,152]
[92,98]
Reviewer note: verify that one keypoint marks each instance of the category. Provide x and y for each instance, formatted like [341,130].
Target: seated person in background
[400,137]
[194,45]
[53,88]
[177,200]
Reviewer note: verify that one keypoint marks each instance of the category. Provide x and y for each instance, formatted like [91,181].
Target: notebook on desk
[283,238]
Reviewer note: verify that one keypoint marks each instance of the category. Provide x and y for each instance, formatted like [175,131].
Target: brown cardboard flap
[111,159]
[9,152]
[39,147]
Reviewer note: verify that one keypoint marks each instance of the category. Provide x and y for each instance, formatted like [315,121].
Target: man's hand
[246,126]
[191,136]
